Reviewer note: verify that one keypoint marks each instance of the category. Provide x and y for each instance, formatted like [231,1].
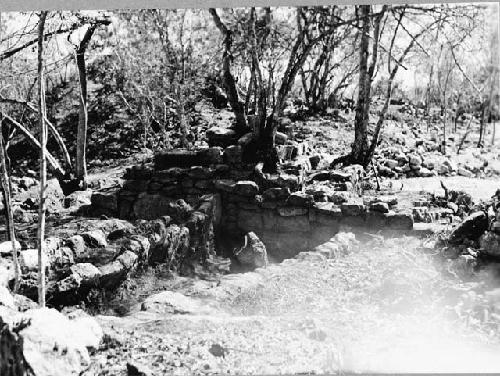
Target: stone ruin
[232,198]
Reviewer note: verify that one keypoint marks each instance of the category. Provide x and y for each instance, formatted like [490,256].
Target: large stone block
[219,136]
[399,221]
[353,208]
[246,188]
[327,209]
[300,199]
[472,227]
[187,158]
[138,173]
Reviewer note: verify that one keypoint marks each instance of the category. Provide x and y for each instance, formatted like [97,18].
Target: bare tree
[237,105]
[81,138]
[362,151]
[7,195]
[313,26]
[43,162]
[367,63]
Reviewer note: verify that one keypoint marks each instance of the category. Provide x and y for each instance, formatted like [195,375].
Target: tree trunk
[481,126]
[81,137]
[443,143]
[362,108]
[233,97]
[493,132]
[43,163]
[7,193]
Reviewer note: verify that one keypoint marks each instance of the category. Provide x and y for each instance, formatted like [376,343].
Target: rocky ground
[425,302]
[382,306]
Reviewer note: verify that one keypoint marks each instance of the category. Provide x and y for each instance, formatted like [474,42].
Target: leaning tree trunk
[43,163]
[34,142]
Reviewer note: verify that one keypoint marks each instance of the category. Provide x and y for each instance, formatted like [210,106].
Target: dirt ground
[387,306]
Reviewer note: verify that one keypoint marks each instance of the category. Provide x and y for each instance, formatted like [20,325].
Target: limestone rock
[139,245]
[495,227]
[87,272]
[77,245]
[105,200]
[113,273]
[253,254]
[300,199]
[29,259]
[224,185]
[425,172]
[385,171]
[391,163]
[246,188]
[46,342]
[292,211]
[381,207]
[6,247]
[137,369]
[415,160]
[277,193]
[171,302]
[338,198]
[472,227]
[6,271]
[220,136]
[6,298]
[464,172]
[352,208]
[77,199]
[340,176]
[176,158]
[171,247]
[490,244]
[95,239]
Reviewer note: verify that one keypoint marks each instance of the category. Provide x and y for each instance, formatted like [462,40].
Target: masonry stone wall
[287,217]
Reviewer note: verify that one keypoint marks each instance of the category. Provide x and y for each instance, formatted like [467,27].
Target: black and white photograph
[280,189]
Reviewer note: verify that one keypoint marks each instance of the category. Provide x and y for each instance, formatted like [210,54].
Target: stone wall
[285,215]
